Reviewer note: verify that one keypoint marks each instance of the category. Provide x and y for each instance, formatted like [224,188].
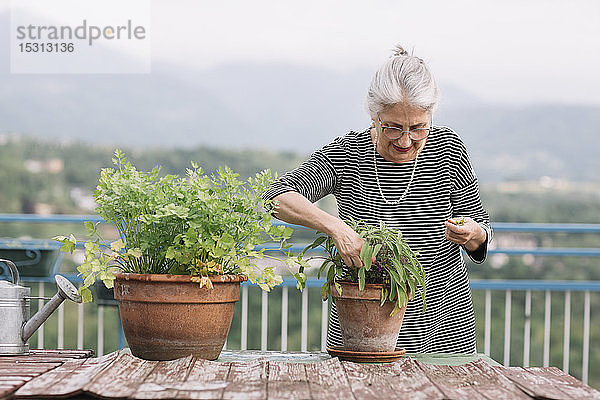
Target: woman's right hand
[348,244]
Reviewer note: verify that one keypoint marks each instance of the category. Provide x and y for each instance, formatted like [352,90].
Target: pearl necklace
[412,175]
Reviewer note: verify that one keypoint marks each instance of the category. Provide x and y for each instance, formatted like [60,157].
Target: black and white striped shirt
[444,186]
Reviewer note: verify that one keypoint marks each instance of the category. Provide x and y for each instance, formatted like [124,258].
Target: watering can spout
[66,290]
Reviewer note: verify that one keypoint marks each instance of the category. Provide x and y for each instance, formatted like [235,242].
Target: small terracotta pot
[168,316]
[365,325]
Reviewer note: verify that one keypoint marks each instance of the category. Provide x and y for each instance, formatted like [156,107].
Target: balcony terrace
[519,322]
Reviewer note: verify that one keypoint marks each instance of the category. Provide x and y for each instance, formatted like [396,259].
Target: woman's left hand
[465,231]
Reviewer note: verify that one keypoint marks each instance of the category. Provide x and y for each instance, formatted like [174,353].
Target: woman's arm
[297,190]
[294,208]
[476,232]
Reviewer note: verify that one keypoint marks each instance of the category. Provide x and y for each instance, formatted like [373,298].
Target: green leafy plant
[198,225]
[387,259]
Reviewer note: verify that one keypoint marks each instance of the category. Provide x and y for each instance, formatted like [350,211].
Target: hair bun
[399,51]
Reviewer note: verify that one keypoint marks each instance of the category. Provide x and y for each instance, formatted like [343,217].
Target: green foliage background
[506,202]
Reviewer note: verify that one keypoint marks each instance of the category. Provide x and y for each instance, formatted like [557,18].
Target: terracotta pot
[365,325]
[168,316]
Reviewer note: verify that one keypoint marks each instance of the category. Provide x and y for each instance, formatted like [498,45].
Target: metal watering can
[15,328]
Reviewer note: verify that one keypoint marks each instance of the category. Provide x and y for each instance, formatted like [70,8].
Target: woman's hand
[348,243]
[465,231]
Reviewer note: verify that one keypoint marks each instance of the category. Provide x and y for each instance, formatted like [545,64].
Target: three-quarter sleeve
[466,200]
[315,178]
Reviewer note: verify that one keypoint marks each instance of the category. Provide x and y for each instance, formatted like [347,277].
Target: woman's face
[406,117]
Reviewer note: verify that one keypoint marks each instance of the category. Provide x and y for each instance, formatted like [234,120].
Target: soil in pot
[365,325]
[166,317]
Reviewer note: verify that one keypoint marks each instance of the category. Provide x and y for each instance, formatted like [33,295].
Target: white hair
[403,78]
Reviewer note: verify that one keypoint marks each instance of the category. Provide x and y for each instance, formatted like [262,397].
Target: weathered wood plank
[122,378]
[9,386]
[7,389]
[454,382]
[368,381]
[568,383]
[408,381]
[43,384]
[287,381]
[327,380]
[164,381]
[6,380]
[6,370]
[38,360]
[16,371]
[532,384]
[67,379]
[247,380]
[61,353]
[550,383]
[206,380]
[487,382]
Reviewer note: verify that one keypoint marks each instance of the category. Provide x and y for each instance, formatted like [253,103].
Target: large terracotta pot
[365,325]
[168,316]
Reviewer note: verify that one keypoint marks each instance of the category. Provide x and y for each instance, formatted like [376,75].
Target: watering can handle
[13,271]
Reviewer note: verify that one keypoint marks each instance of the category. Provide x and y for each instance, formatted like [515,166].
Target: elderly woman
[414,176]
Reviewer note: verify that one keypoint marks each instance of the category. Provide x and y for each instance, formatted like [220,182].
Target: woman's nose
[405,140]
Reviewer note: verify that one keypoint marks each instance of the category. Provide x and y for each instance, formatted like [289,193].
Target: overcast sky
[504,51]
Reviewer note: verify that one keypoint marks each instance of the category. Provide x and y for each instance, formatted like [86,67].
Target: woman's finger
[453,237]
[356,261]
[349,244]
[454,228]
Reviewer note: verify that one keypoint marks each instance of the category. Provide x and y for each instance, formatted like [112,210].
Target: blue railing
[586,288]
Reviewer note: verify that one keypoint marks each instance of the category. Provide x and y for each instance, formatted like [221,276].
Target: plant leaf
[361,278]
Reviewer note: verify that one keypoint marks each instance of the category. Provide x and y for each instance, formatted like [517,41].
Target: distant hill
[284,107]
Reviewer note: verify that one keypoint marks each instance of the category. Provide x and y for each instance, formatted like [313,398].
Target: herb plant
[198,225]
[387,259]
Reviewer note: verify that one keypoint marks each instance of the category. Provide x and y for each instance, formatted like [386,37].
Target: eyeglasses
[393,133]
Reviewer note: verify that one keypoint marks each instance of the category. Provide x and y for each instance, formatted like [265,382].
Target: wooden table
[273,375]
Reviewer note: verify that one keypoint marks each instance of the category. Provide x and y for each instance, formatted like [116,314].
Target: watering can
[15,325]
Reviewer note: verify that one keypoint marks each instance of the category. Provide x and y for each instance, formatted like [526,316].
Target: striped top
[444,186]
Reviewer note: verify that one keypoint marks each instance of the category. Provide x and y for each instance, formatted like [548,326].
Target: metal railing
[487,286]
[509,287]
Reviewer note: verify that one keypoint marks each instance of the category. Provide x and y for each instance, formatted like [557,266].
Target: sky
[514,52]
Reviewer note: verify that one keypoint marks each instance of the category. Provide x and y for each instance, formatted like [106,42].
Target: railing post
[284,318]
[567,331]
[80,326]
[40,331]
[304,330]
[264,321]
[121,332]
[488,321]
[324,321]
[244,333]
[547,315]
[586,338]
[527,329]
[100,331]
[60,344]
[507,312]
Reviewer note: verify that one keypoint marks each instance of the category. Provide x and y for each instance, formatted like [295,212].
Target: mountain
[528,142]
[284,108]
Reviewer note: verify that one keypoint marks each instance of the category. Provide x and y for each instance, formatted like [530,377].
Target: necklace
[412,175]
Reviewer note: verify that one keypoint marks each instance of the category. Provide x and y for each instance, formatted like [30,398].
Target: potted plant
[184,247]
[371,300]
